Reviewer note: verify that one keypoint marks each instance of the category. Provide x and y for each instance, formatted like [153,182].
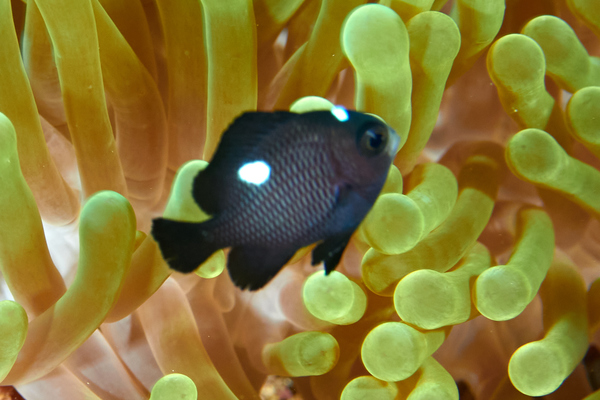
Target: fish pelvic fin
[184,245]
[330,251]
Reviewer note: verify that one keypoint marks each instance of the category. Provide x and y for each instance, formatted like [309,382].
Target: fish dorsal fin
[252,267]
[236,147]
[250,128]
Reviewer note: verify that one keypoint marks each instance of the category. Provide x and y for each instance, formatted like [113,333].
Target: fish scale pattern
[293,206]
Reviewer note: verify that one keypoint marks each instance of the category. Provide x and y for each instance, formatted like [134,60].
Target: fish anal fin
[253,267]
[330,250]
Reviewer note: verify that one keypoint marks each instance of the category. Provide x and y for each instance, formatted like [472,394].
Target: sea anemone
[476,272]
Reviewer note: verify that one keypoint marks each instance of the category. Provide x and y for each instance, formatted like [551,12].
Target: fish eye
[373,139]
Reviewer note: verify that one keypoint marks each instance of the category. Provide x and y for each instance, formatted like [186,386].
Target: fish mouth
[394,143]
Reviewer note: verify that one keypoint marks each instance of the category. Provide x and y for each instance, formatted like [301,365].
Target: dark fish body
[279,182]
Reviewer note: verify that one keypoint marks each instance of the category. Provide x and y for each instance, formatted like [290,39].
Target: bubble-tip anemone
[109,109]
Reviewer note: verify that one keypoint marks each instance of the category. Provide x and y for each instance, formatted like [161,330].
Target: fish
[280,181]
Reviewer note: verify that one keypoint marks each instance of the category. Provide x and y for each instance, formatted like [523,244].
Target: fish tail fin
[183,245]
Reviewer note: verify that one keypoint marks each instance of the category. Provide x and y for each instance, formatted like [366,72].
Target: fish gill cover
[476,270]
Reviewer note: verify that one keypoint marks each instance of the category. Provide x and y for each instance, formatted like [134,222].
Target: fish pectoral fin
[184,245]
[252,267]
[330,251]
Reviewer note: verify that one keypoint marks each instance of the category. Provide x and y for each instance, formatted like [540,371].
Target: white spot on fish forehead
[340,113]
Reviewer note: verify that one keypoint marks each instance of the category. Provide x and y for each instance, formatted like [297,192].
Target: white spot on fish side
[256,172]
[340,113]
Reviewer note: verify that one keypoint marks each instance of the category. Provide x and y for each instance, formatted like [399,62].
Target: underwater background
[476,272]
